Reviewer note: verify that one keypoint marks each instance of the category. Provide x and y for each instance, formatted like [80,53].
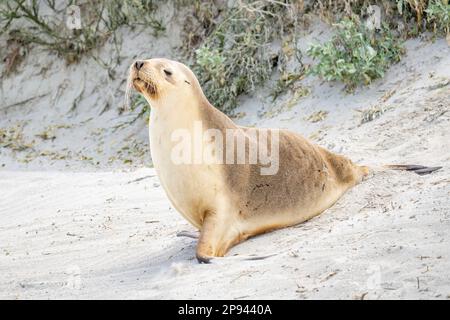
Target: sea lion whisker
[129,87]
[148,79]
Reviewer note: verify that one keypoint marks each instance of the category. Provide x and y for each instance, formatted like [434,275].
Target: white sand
[73,228]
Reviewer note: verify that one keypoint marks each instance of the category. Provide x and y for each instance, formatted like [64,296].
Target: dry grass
[13,138]
[372,113]
[317,116]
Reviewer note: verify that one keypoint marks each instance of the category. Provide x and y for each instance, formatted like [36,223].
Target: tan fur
[229,203]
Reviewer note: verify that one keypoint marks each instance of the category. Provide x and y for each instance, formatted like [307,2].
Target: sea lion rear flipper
[419,169]
[188,234]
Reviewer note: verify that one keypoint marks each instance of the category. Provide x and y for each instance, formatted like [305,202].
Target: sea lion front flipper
[217,235]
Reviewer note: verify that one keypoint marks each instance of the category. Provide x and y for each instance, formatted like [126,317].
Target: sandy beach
[83,215]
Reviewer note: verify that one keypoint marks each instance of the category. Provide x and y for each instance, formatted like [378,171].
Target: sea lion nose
[138,64]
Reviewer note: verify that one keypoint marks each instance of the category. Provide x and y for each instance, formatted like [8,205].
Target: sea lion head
[160,80]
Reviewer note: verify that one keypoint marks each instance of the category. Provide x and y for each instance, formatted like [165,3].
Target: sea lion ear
[187,82]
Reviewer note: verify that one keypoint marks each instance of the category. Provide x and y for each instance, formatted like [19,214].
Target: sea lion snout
[143,79]
[138,64]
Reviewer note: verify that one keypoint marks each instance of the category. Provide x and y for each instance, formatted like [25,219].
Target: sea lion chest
[192,188]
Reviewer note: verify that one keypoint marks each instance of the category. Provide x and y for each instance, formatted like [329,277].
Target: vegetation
[235,54]
[100,20]
[420,10]
[355,54]
[358,55]
[438,15]
[233,46]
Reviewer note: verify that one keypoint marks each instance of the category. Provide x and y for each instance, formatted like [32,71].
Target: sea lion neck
[179,111]
[214,118]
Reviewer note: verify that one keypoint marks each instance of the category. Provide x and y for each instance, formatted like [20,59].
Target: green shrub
[355,55]
[438,15]
[235,56]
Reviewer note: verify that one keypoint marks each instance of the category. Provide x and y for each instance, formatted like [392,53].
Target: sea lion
[230,202]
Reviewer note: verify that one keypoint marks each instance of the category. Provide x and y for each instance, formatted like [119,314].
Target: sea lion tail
[418,169]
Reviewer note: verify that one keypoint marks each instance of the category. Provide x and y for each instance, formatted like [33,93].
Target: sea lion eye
[167,72]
